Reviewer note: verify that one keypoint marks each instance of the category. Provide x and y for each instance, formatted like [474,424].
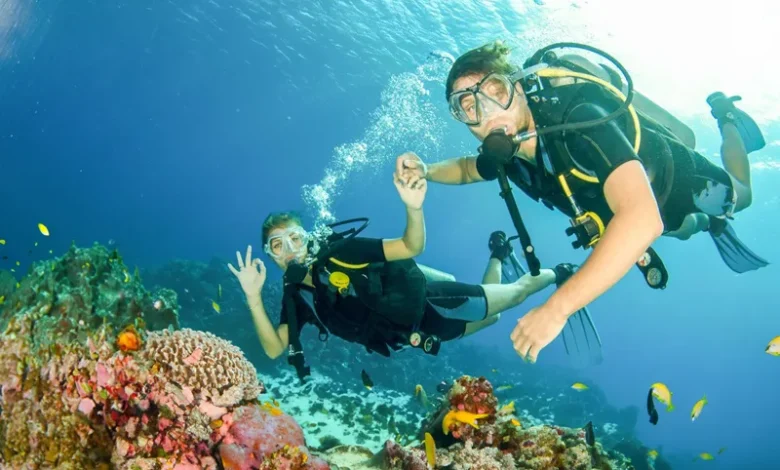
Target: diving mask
[471,105]
[291,243]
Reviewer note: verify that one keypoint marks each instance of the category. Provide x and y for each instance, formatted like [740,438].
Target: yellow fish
[579,386]
[508,408]
[698,407]
[127,276]
[461,417]
[662,393]
[773,347]
[430,450]
[2,299]
[515,422]
[44,230]
[18,263]
[706,456]
[2,242]
[501,388]
[420,392]
[653,454]
[215,306]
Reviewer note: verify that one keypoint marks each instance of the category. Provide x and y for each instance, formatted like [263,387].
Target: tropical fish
[773,347]
[653,454]
[216,307]
[706,456]
[18,263]
[127,276]
[35,244]
[514,422]
[367,382]
[501,388]
[44,230]
[651,411]
[590,438]
[721,450]
[219,292]
[508,408]
[2,299]
[423,397]
[430,450]
[698,407]
[662,393]
[2,242]
[461,417]
[579,386]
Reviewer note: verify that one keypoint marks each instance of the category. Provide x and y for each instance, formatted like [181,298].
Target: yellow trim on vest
[347,265]
[580,175]
[556,72]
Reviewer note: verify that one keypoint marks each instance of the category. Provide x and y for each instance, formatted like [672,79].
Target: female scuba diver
[368,290]
[570,133]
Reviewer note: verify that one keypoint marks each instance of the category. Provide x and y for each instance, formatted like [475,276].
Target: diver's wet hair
[279,219]
[491,57]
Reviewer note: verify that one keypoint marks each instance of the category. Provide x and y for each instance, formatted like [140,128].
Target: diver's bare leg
[492,272]
[501,297]
[475,326]
[736,163]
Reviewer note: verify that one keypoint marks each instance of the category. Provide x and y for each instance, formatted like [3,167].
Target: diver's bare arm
[274,342]
[635,225]
[413,241]
[459,170]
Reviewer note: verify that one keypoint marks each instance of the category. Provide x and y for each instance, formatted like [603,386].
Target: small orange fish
[129,340]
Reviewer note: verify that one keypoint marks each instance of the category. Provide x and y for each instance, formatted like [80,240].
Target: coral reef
[471,432]
[203,361]
[85,384]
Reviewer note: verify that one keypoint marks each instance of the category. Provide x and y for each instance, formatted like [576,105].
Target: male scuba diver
[572,134]
[368,290]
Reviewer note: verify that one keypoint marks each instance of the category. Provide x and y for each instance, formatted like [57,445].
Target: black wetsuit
[448,306]
[684,181]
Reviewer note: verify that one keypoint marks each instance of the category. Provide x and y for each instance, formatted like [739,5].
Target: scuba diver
[368,290]
[577,136]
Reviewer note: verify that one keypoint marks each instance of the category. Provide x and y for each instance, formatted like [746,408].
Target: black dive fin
[724,111]
[580,337]
[735,254]
[581,332]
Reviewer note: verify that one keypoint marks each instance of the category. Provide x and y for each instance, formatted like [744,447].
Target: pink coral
[259,434]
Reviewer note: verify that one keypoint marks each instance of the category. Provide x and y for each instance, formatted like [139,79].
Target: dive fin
[735,254]
[580,337]
[724,111]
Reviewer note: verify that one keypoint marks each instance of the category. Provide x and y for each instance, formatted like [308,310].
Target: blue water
[173,128]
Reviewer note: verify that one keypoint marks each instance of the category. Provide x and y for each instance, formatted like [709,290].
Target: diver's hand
[412,195]
[251,273]
[410,169]
[538,328]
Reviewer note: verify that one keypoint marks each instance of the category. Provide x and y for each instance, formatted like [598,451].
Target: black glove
[563,272]
[499,247]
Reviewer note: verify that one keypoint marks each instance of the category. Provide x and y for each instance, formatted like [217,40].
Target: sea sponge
[206,363]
